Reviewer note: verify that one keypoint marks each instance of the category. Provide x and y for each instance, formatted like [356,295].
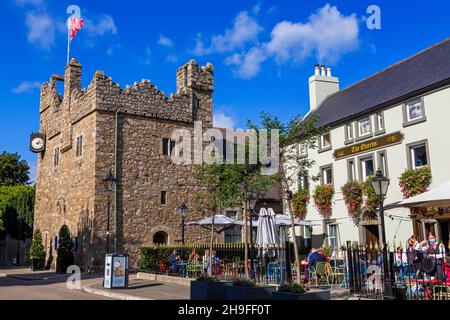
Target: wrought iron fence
[380,272]
[268,265]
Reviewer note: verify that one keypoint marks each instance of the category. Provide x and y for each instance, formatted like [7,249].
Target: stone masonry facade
[101,128]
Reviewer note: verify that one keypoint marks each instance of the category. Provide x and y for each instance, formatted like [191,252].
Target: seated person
[194,256]
[173,259]
[315,258]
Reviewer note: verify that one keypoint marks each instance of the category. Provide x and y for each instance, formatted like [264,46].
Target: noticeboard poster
[119,272]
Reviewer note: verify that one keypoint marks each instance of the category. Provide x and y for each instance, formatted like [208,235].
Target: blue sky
[263,51]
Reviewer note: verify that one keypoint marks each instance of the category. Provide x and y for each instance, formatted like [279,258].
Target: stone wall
[73,194]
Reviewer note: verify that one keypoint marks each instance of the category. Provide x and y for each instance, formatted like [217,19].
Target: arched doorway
[160,238]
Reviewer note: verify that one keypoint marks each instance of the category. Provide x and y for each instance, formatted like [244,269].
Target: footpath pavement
[140,289]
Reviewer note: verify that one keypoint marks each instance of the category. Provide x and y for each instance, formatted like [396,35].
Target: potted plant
[207,288]
[295,291]
[37,252]
[65,256]
[249,290]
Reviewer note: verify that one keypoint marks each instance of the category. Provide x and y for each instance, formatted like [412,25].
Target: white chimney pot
[323,73]
[328,72]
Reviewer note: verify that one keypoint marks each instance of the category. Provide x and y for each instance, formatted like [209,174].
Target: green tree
[221,187]
[13,171]
[37,250]
[65,256]
[17,203]
[291,163]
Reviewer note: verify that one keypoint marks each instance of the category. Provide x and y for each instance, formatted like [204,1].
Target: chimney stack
[322,69]
[321,85]
[317,70]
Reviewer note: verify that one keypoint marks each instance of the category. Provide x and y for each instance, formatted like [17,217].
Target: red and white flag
[74,24]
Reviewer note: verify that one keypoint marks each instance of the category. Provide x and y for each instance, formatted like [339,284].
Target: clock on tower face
[37,142]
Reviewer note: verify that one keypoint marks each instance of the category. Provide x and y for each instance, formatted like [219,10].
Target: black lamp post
[252,215]
[183,211]
[109,183]
[380,185]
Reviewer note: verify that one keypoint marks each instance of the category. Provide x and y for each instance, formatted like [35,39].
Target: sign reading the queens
[379,142]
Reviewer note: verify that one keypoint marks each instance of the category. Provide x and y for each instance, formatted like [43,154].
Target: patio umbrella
[266,233]
[436,197]
[219,220]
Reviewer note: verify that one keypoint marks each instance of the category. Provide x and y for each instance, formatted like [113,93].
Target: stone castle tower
[101,128]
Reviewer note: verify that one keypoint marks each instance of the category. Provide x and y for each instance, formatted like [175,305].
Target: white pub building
[395,119]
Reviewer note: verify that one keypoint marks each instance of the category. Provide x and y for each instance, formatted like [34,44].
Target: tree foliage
[291,163]
[37,250]
[65,256]
[16,201]
[13,170]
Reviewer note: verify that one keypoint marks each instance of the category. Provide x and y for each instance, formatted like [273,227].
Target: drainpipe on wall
[115,175]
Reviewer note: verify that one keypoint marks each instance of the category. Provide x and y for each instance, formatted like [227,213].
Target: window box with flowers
[323,199]
[353,195]
[415,181]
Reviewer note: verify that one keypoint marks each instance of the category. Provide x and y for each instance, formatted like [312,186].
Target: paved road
[37,288]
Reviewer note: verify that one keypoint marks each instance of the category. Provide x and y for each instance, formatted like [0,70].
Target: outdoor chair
[336,274]
[320,271]
[163,268]
[441,292]
[194,269]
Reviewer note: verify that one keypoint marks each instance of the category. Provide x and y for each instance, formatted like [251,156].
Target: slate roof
[413,76]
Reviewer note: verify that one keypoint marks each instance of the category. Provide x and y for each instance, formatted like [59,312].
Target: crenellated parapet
[192,101]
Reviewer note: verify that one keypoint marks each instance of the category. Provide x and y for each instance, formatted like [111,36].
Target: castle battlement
[194,91]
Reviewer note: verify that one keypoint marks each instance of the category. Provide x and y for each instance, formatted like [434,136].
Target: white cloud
[251,63]
[102,25]
[172,58]
[164,41]
[41,30]
[326,36]
[245,30]
[26,86]
[29,2]
[220,120]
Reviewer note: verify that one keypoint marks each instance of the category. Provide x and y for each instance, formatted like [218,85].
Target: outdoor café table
[426,284]
[233,269]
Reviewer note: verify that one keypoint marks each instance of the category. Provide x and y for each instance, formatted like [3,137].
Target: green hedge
[149,257]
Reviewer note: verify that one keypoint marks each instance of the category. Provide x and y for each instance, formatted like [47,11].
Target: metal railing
[379,272]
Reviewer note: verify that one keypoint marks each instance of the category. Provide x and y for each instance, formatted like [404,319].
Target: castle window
[168,147]
[163,197]
[56,157]
[79,148]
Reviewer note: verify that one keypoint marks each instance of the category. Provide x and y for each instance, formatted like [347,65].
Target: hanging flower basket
[352,192]
[371,200]
[415,181]
[300,202]
[323,199]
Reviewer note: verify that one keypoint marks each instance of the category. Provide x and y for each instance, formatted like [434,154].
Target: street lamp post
[253,214]
[380,185]
[109,183]
[183,211]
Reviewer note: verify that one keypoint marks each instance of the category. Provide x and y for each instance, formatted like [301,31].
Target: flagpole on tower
[68,41]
